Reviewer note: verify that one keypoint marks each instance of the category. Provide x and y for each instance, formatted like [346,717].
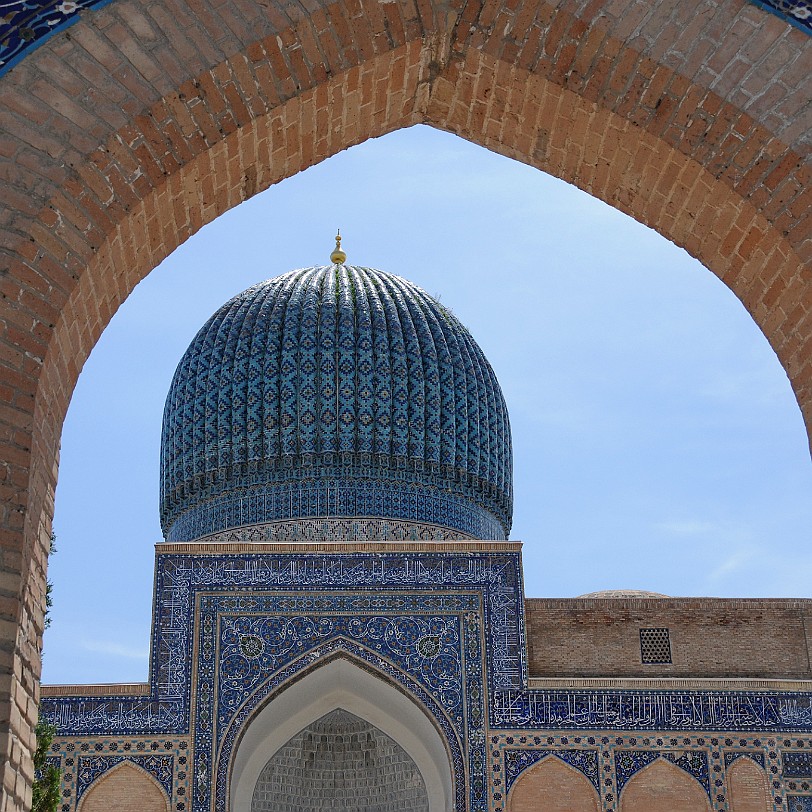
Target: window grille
[655,646]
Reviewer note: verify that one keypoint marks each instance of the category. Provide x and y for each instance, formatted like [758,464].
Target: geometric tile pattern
[331,509]
[91,767]
[231,628]
[334,378]
[629,762]
[619,757]
[585,761]
[797,765]
[655,646]
[83,761]
[731,756]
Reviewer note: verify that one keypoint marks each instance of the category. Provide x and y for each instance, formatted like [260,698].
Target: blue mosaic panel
[309,510]
[251,644]
[797,765]
[585,761]
[179,578]
[498,577]
[342,378]
[26,24]
[93,767]
[799,803]
[630,762]
[730,757]
[651,710]
[795,12]
[86,759]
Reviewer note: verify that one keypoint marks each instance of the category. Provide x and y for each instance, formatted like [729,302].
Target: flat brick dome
[338,402]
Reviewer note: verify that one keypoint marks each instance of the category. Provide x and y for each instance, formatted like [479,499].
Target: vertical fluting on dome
[336,391]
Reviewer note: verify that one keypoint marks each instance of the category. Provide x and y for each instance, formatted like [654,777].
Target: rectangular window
[655,646]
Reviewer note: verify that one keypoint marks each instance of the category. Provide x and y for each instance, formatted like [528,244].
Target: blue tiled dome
[335,402]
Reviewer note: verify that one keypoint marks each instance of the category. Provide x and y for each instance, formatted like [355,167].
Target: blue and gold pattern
[335,391]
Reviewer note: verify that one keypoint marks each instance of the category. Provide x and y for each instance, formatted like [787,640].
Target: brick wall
[552,786]
[593,637]
[125,789]
[125,133]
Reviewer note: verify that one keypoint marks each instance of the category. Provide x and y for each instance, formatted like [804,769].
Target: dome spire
[338,257]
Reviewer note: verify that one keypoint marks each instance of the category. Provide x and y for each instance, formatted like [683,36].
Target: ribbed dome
[339,395]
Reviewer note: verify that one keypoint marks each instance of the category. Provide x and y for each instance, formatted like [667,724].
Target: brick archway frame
[123,135]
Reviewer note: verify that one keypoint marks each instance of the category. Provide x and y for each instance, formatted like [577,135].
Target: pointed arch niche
[342,685]
[747,786]
[552,786]
[663,787]
[125,788]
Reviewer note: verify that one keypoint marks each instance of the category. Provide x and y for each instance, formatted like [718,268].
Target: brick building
[339,619]
[393,644]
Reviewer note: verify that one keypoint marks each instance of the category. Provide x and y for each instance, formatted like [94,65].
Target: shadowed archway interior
[340,762]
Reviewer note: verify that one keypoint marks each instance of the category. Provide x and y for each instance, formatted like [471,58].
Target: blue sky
[657,442]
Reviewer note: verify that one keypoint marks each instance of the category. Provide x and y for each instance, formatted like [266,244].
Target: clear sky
[657,442]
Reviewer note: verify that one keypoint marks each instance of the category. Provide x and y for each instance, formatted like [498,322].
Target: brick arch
[747,787]
[663,787]
[126,787]
[127,132]
[552,786]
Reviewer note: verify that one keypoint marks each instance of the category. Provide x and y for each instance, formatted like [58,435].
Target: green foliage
[47,777]
[49,587]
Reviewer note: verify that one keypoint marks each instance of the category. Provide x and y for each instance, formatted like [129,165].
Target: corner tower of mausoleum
[336,403]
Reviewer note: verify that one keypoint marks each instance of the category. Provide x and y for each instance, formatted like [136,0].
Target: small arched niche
[125,788]
[335,694]
[747,786]
[552,786]
[663,787]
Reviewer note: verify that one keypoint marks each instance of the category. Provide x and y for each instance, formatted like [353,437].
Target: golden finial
[338,257]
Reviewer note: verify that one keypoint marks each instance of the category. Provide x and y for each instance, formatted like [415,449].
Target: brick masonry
[710,638]
[123,135]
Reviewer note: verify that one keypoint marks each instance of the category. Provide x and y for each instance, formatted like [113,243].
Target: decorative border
[629,762]
[497,575]
[306,502]
[732,755]
[205,764]
[85,761]
[585,761]
[706,758]
[652,710]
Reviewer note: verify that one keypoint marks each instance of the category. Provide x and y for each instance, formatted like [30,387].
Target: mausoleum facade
[339,617]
